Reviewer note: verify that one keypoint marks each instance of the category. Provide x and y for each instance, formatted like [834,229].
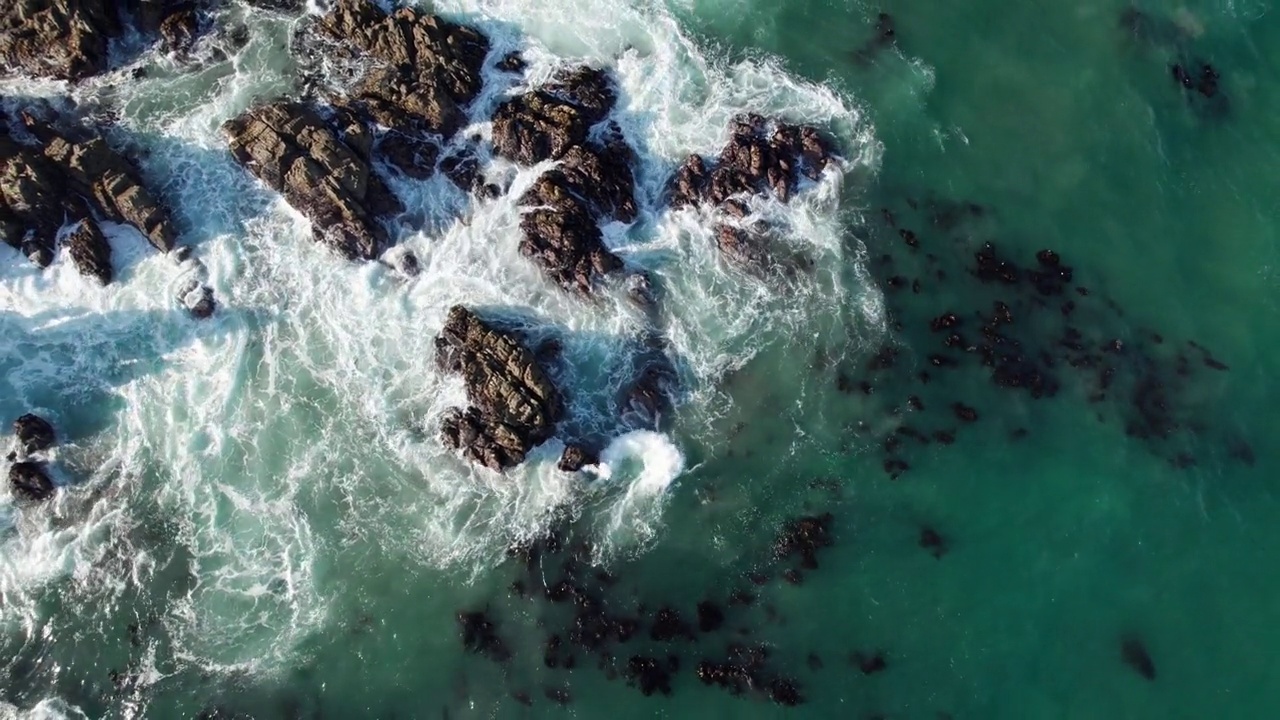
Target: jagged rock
[29,481]
[566,242]
[180,27]
[198,300]
[601,178]
[537,126]
[65,39]
[512,62]
[748,247]
[90,251]
[513,405]
[290,148]
[592,90]
[34,433]
[690,182]
[428,67]
[576,457]
[412,156]
[463,170]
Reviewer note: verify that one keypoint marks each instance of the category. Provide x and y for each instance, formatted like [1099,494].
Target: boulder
[566,242]
[514,406]
[428,68]
[601,178]
[180,27]
[292,149]
[198,300]
[34,433]
[29,481]
[591,90]
[537,126]
[576,457]
[90,251]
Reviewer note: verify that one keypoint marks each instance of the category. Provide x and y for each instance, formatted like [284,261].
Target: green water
[1074,136]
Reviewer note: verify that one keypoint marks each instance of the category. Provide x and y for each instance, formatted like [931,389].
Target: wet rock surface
[322,167]
[29,481]
[514,406]
[55,169]
[427,68]
[33,433]
[70,39]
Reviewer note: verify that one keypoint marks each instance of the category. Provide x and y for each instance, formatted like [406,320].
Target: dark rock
[784,692]
[179,28]
[567,244]
[198,300]
[408,265]
[34,433]
[650,674]
[537,126]
[90,251]
[480,635]
[463,170]
[710,617]
[870,664]
[601,179]
[930,540]
[590,89]
[576,457]
[1134,654]
[289,147]
[514,405]
[30,482]
[67,39]
[428,68]
[804,537]
[512,62]
[964,412]
[415,157]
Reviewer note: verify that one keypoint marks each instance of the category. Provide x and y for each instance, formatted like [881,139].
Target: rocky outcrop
[64,172]
[90,251]
[29,481]
[34,433]
[591,181]
[754,162]
[576,457]
[428,69]
[514,406]
[69,39]
[322,167]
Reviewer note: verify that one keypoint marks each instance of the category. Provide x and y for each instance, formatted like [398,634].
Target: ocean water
[257,515]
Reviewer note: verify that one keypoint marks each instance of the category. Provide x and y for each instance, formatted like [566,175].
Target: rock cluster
[28,477]
[322,167]
[58,171]
[513,405]
[754,162]
[592,181]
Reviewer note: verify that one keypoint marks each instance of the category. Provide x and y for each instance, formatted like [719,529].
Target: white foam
[302,419]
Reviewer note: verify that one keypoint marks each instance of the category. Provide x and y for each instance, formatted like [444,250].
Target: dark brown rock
[64,39]
[90,251]
[29,481]
[34,433]
[180,27]
[428,68]
[566,242]
[537,126]
[514,406]
[576,457]
[290,147]
[601,178]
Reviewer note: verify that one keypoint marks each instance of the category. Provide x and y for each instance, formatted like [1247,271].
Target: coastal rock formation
[29,481]
[428,68]
[34,433]
[754,162]
[592,181]
[322,169]
[63,171]
[514,406]
[90,251]
[67,39]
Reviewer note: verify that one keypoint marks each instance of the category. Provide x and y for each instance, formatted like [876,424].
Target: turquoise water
[258,516]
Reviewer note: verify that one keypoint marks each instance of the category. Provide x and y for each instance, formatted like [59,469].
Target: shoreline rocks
[34,433]
[30,482]
[513,405]
[322,169]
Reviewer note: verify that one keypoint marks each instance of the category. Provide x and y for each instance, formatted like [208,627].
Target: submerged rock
[514,406]
[291,148]
[576,457]
[34,433]
[29,481]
